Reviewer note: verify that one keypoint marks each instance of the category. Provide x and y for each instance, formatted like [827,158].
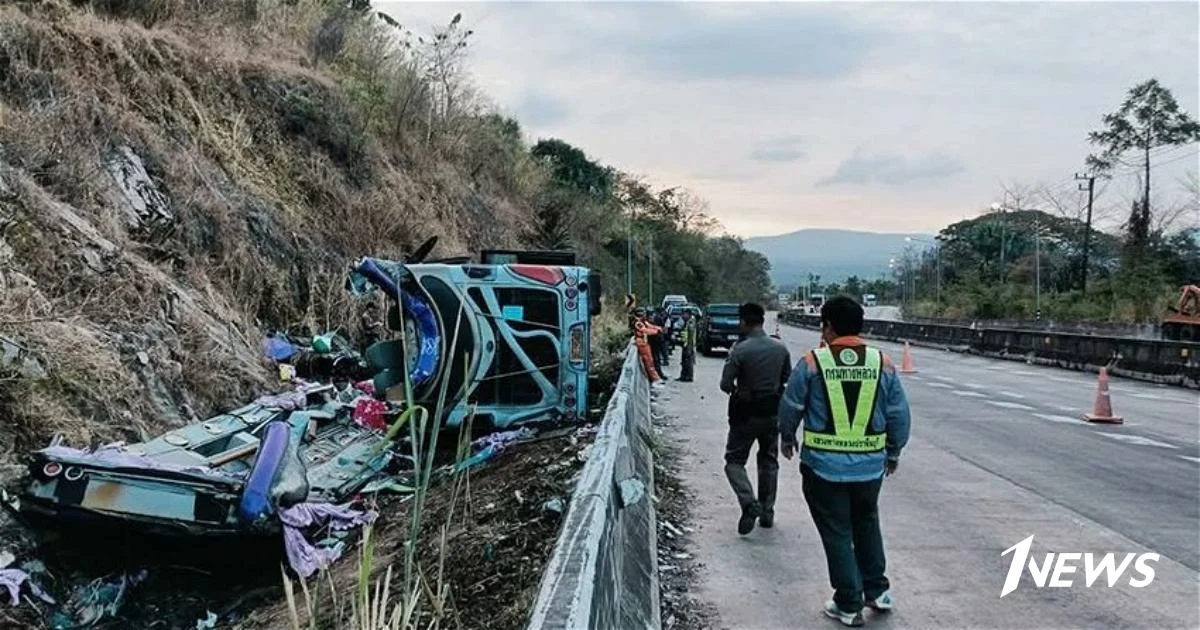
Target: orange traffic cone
[906,363]
[1102,410]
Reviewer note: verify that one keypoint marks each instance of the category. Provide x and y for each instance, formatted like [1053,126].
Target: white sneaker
[883,603]
[853,620]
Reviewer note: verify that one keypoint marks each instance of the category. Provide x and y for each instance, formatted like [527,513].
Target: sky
[871,116]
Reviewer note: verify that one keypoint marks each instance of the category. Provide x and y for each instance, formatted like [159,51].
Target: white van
[868,300]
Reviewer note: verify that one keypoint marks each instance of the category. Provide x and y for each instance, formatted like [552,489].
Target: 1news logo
[1057,569]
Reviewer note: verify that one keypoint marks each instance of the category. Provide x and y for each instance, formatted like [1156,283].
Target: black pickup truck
[718,328]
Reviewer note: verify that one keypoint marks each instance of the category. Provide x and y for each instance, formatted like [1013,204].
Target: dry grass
[287,142]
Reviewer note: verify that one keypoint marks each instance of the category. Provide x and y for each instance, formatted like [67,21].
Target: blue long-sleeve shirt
[806,404]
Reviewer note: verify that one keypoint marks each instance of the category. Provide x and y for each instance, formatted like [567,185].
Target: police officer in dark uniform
[754,376]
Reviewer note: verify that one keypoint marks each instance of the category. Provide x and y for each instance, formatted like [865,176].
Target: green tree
[1149,118]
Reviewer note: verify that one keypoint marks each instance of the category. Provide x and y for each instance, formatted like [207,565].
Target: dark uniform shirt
[758,366]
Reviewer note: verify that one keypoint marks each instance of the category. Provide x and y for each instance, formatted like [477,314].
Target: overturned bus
[507,338]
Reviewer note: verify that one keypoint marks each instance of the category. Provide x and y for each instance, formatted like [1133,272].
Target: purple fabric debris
[304,557]
[12,579]
[116,455]
[500,440]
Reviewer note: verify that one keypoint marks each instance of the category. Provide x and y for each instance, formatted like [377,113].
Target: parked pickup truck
[719,328]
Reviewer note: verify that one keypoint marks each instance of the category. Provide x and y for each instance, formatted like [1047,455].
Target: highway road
[998,453]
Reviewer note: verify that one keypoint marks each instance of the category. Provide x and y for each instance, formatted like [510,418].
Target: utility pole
[650,280]
[1037,282]
[629,255]
[1087,230]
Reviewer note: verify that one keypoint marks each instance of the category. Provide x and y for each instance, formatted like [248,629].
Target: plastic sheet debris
[632,490]
[304,557]
[477,459]
[554,507]
[13,579]
[209,622]
[96,600]
[279,348]
[389,484]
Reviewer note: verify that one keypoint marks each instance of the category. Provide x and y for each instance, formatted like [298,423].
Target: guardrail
[603,572]
[1135,331]
[1168,362]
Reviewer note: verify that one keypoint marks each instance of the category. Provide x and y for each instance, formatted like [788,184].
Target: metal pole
[650,280]
[937,252]
[1037,266]
[629,256]
[1087,230]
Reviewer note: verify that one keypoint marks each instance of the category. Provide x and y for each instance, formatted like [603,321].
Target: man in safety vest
[687,339]
[848,399]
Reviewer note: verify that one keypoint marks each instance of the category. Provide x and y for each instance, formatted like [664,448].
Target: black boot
[746,522]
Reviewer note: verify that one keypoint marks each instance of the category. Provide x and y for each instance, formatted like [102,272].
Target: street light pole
[1037,266]
[629,255]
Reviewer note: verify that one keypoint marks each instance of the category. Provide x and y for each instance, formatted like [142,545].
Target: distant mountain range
[833,254]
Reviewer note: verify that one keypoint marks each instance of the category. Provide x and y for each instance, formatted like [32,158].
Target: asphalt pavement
[999,452]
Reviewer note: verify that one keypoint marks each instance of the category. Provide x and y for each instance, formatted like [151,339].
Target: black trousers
[847,517]
[687,365]
[742,436]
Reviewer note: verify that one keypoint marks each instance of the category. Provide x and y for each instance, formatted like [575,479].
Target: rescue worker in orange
[642,329]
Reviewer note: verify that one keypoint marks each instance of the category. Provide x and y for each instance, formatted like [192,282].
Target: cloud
[688,42]
[786,149]
[893,170]
[539,109]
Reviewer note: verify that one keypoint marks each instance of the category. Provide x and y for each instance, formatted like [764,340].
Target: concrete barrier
[603,572]
[1167,362]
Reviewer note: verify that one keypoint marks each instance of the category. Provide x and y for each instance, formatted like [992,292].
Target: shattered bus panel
[194,480]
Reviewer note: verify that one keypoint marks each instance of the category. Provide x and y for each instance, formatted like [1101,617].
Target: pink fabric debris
[371,413]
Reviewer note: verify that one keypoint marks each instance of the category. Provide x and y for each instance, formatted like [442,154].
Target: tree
[1149,118]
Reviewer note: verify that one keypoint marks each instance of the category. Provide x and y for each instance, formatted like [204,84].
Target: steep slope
[167,193]
[832,254]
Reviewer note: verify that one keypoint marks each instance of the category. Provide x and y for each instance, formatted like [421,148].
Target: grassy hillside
[174,182]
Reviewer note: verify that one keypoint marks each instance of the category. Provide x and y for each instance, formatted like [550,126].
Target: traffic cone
[1102,410]
[906,364]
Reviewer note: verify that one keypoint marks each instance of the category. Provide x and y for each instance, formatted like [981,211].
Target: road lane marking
[1136,439]
[1060,419]
[1009,405]
[1190,459]
[1026,373]
[948,379]
[941,385]
[973,385]
[969,394]
[1010,394]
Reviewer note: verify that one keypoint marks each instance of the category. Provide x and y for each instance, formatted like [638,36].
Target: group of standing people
[845,401]
[652,335]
